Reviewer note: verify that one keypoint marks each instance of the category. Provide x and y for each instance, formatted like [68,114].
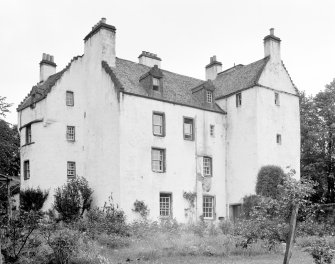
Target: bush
[109,220]
[72,199]
[141,208]
[268,179]
[249,203]
[32,199]
[321,252]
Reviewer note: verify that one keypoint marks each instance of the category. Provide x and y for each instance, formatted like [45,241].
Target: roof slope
[176,88]
[238,78]
[40,90]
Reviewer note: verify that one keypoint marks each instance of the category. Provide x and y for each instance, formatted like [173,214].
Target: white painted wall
[136,140]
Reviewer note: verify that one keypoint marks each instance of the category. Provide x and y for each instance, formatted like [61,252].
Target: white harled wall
[183,162]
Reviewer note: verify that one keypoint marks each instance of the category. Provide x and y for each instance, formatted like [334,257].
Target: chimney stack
[100,43]
[272,46]
[213,68]
[149,59]
[47,67]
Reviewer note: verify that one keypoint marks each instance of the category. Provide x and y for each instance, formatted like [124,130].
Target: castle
[144,133]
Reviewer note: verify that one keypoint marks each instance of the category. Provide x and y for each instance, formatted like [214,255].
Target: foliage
[19,230]
[317,142]
[269,219]
[4,106]
[109,220]
[9,149]
[72,199]
[321,252]
[32,199]
[64,245]
[190,197]
[268,178]
[249,202]
[141,208]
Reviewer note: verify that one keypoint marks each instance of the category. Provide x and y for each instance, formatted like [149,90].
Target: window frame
[278,139]
[71,137]
[238,99]
[69,95]
[158,84]
[211,210]
[185,118]
[28,134]
[209,96]
[162,153]
[212,130]
[26,170]
[210,167]
[162,114]
[71,176]
[169,210]
[277,99]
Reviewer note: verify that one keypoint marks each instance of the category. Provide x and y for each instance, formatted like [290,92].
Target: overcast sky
[184,33]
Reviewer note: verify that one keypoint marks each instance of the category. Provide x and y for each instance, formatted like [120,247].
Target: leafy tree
[4,106]
[268,179]
[73,198]
[9,149]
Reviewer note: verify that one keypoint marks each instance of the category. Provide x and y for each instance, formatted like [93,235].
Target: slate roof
[238,78]
[40,90]
[176,88]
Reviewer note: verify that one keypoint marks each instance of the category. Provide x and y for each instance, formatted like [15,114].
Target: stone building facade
[143,133]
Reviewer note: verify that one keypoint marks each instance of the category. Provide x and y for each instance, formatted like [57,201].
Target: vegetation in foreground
[74,232]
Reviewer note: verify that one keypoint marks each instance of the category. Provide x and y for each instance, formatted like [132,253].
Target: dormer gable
[152,81]
[204,93]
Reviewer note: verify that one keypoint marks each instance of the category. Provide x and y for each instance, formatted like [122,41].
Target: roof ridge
[162,70]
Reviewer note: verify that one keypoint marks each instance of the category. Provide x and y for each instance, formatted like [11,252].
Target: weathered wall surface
[183,162]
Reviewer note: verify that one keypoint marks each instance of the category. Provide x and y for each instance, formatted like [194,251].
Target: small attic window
[209,96]
[155,84]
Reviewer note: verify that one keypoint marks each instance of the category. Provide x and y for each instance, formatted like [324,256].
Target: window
[155,84]
[238,100]
[158,124]
[207,166]
[188,129]
[28,134]
[165,201]
[69,98]
[278,139]
[70,133]
[71,169]
[208,207]
[209,97]
[277,102]
[158,160]
[212,130]
[26,170]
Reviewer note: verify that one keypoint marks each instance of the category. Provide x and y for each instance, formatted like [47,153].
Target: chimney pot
[213,68]
[52,58]
[272,31]
[103,20]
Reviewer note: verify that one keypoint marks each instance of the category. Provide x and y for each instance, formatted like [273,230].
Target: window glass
[188,128]
[71,169]
[158,160]
[158,124]
[69,98]
[208,207]
[164,204]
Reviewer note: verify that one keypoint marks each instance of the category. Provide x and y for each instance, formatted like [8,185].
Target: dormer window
[155,84]
[209,96]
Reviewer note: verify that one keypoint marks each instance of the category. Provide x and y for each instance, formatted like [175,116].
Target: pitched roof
[238,78]
[176,88]
[40,90]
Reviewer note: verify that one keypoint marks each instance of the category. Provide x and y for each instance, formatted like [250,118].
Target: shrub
[72,199]
[321,252]
[268,179]
[141,208]
[64,245]
[109,220]
[249,202]
[32,199]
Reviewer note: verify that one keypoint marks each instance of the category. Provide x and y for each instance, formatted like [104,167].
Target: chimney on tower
[47,67]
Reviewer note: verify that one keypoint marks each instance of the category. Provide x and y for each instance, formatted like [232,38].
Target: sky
[183,33]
